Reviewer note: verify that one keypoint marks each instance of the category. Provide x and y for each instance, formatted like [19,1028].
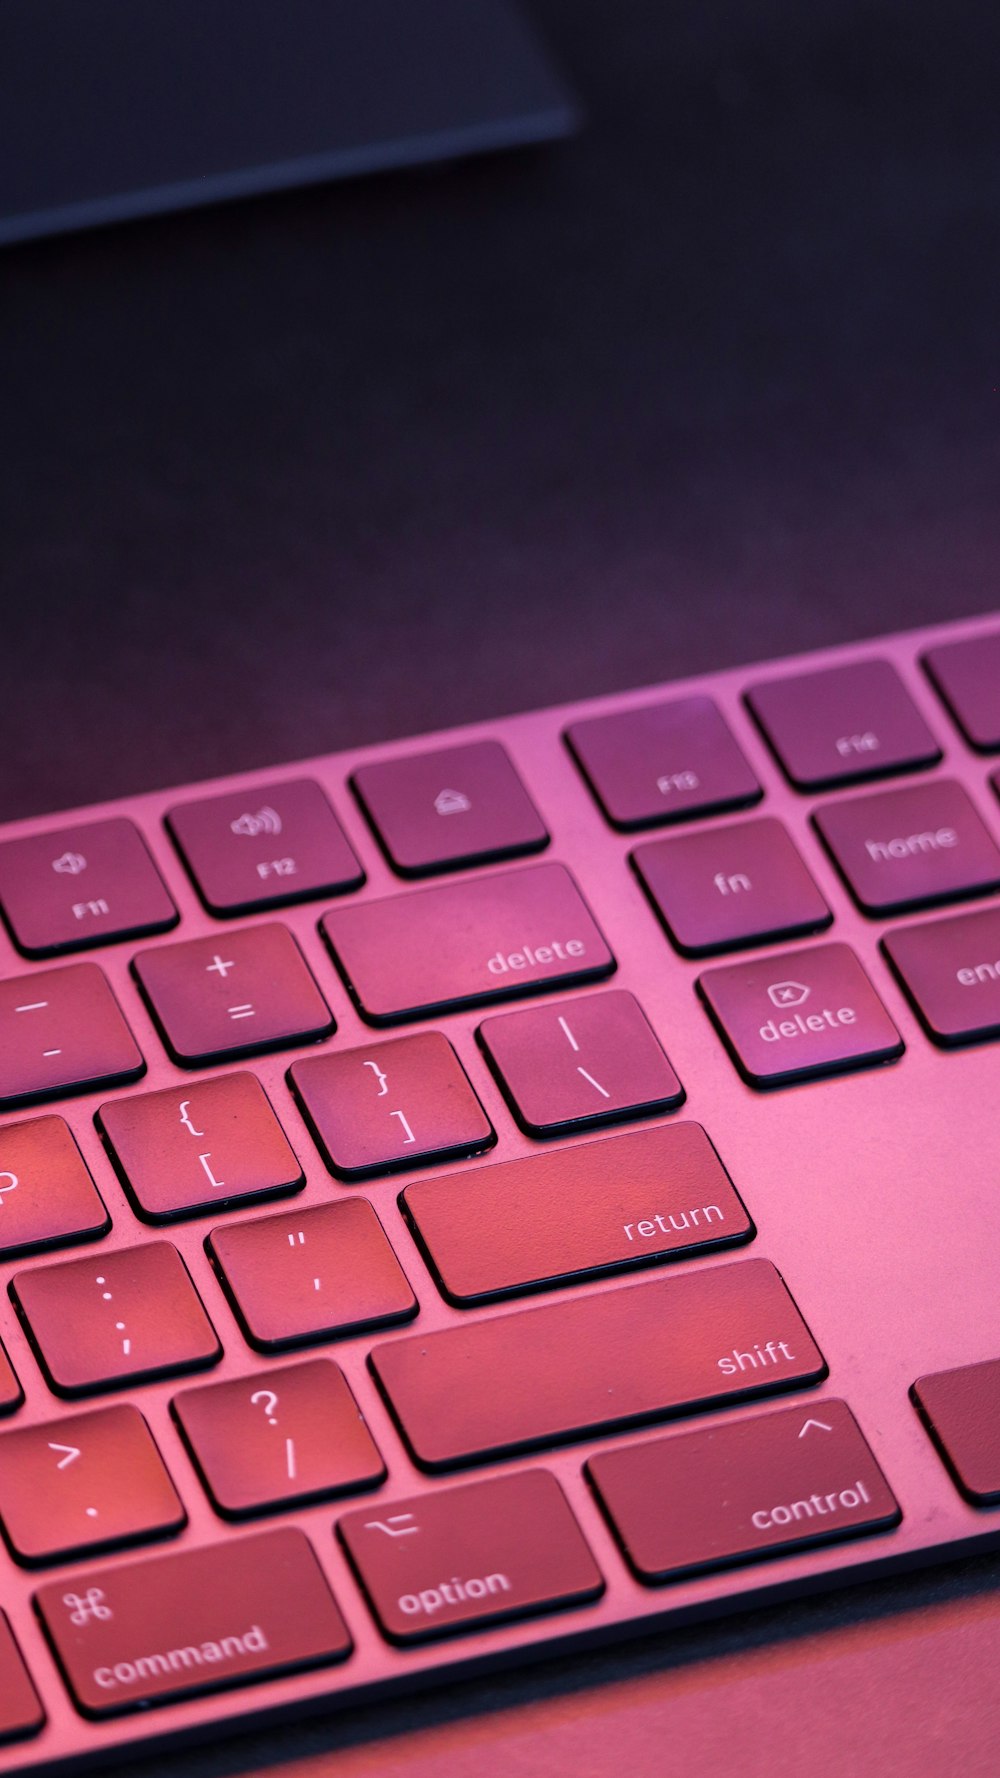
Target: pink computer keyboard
[498,1191]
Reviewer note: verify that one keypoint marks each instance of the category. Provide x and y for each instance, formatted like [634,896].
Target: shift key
[487,938]
[615,1358]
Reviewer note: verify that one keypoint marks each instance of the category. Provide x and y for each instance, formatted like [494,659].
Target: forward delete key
[488,938]
[801,1013]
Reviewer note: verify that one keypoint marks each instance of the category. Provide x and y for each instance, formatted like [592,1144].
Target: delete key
[801,1013]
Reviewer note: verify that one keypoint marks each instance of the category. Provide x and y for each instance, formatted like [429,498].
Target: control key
[747,1488]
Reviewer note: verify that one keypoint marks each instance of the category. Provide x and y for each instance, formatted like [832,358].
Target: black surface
[718,380]
[113,109]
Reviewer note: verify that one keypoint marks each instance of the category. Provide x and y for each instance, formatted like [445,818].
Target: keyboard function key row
[450,808]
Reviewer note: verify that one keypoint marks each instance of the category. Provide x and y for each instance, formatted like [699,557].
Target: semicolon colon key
[114,1318]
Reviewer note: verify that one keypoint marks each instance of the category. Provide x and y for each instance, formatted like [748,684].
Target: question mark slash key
[286,1435]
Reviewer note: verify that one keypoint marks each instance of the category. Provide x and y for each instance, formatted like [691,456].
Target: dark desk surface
[718,380]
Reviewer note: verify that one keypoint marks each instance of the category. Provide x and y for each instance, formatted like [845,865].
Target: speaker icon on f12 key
[266,820]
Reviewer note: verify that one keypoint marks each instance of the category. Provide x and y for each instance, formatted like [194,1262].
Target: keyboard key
[802,1013]
[390,1105]
[742,1490]
[458,944]
[261,847]
[615,1358]
[469,1556]
[62,1031]
[730,886]
[311,1274]
[455,806]
[579,1062]
[115,1318]
[235,996]
[951,971]
[20,1712]
[664,762]
[46,1193]
[198,1147]
[911,847]
[277,1437]
[81,886]
[962,1411]
[11,1395]
[967,675]
[842,724]
[86,1482]
[192,1621]
[557,1217]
